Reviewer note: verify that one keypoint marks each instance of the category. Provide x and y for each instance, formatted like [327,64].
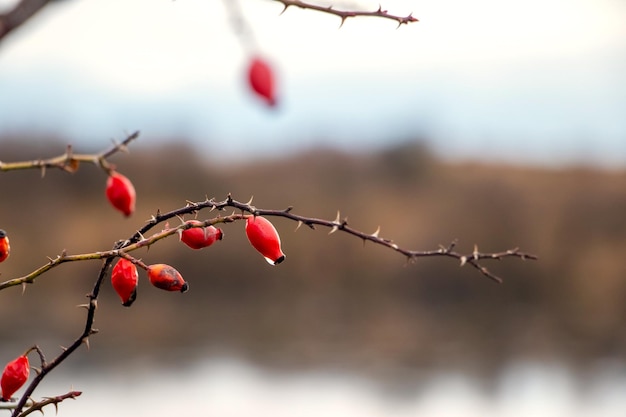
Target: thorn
[475,253]
[250,202]
[463,260]
[23,288]
[333,230]
[85,306]
[37,370]
[375,234]
[394,246]
[63,348]
[86,342]
[299,225]
[338,218]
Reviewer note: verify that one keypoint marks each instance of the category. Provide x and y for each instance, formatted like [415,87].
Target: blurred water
[232,388]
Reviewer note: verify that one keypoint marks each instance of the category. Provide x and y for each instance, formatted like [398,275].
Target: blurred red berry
[124,278]
[14,376]
[200,237]
[5,248]
[264,238]
[261,80]
[166,278]
[121,193]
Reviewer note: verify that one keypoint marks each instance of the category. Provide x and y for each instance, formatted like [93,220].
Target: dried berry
[166,278]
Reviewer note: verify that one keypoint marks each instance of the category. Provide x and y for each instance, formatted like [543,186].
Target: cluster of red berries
[260,232]
[121,194]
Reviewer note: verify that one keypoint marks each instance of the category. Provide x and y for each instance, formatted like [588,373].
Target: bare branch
[39,405]
[22,11]
[70,161]
[345,14]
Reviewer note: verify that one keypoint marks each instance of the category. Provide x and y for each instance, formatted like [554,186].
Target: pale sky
[534,81]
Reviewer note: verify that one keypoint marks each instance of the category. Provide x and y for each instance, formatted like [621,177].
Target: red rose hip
[200,237]
[264,238]
[166,278]
[14,376]
[124,278]
[261,80]
[121,193]
[5,248]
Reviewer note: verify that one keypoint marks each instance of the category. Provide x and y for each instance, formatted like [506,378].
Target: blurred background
[500,125]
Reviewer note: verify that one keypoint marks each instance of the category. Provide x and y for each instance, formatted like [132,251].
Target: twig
[345,14]
[39,405]
[70,161]
[17,16]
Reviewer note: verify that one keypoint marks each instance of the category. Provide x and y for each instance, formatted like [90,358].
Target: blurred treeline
[334,301]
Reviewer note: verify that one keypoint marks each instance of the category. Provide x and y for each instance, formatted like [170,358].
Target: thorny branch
[138,240]
[39,405]
[83,338]
[70,161]
[26,9]
[345,14]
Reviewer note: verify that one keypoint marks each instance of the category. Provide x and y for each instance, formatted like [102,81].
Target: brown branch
[345,14]
[138,240]
[83,338]
[22,11]
[39,405]
[70,161]
[338,224]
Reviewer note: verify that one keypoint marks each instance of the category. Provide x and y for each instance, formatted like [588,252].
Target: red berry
[200,237]
[121,193]
[261,80]
[5,248]
[124,279]
[14,376]
[166,278]
[264,238]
